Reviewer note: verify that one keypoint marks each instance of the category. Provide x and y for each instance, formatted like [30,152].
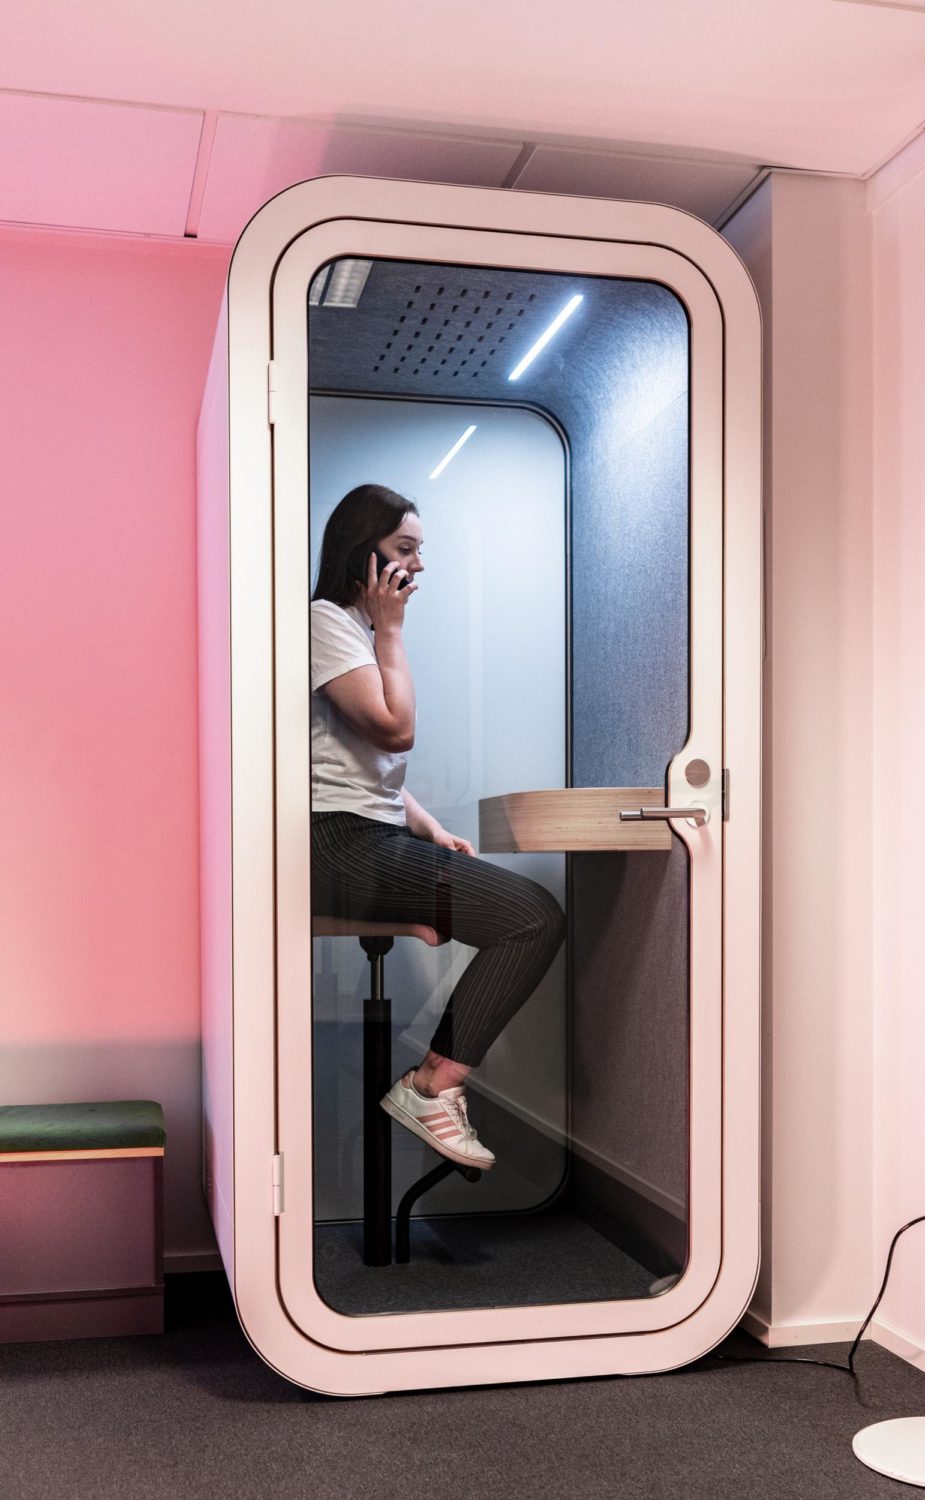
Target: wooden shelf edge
[570,818]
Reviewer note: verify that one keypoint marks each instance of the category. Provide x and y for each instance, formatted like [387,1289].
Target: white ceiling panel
[89,165]
[254,158]
[704,188]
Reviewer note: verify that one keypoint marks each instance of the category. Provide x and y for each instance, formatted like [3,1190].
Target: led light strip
[544,338]
[453,451]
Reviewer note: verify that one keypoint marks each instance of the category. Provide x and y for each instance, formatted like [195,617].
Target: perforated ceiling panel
[458,332]
[434,330]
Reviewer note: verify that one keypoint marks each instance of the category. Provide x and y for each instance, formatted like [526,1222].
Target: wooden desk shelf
[576,818]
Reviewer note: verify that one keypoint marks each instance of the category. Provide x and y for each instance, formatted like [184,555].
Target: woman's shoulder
[340,617]
[330,621]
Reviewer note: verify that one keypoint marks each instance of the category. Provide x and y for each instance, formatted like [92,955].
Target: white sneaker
[442,1122]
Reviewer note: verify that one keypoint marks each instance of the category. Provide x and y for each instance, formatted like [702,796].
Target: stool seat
[353,927]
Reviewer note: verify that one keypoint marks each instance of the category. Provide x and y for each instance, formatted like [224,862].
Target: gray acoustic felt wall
[629,913]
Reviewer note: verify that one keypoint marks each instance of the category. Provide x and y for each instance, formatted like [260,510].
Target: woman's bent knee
[546,920]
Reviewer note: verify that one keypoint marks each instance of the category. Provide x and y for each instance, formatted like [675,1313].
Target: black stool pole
[377,1126]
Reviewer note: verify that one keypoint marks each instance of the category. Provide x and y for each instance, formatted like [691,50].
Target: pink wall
[897,201]
[105,349]
[842,282]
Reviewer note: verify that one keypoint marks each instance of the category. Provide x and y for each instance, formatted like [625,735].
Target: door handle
[698,815]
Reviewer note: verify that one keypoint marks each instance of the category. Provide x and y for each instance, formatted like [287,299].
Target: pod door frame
[256,793]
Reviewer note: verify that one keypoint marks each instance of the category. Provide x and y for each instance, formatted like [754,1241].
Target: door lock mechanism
[697,773]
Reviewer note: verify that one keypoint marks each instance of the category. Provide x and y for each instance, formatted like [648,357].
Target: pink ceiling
[133,116]
[821,84]
[90,164]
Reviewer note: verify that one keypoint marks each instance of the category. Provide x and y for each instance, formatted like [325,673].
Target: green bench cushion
[81,1127]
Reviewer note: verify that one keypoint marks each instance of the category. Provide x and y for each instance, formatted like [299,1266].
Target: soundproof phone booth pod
[568,390]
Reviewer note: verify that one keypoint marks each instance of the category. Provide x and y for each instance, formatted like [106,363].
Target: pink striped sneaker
[442,1122]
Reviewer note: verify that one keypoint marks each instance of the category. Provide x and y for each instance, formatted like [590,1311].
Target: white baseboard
[783,1335]
[791,1335]
[191,1260]
[897,1343]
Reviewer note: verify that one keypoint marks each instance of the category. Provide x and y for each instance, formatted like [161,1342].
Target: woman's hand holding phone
[388,589]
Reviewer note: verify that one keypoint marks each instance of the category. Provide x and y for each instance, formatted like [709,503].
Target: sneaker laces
[458,1111]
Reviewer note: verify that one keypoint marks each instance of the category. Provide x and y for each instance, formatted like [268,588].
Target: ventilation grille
[459,331]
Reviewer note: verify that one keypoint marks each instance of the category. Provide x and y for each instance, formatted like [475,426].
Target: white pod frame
[255,812]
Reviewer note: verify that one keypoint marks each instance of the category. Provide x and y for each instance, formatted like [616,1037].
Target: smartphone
[381,562]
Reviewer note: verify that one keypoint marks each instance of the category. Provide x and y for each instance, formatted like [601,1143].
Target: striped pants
[379,872]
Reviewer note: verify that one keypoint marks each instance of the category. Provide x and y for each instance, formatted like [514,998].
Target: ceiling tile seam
[521,162]
[918,5]
[166,109]
[777,166]
[425,129]
[741,198]
[201,173]
[124,236]
[894,153]
[429,129]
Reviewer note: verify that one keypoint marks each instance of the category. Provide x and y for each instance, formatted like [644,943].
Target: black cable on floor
[795,1359]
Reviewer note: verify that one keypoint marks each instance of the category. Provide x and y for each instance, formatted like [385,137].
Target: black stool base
[416,1191]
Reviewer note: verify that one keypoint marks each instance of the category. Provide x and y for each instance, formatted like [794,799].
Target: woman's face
[404,545]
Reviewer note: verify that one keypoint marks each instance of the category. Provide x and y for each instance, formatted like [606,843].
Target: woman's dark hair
[355,526]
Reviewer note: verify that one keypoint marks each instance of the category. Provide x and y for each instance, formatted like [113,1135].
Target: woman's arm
[360,697]
[424,826]
[378,702]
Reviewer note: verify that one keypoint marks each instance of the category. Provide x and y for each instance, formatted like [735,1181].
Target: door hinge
[271,393]
[277,1186]
[725,795]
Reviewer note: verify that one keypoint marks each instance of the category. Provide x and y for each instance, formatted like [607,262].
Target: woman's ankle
[435,1074]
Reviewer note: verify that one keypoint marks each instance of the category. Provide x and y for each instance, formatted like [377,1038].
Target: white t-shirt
[348,773]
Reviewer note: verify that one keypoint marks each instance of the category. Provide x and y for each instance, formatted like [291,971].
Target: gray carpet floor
[500,1261]
[195,1414]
